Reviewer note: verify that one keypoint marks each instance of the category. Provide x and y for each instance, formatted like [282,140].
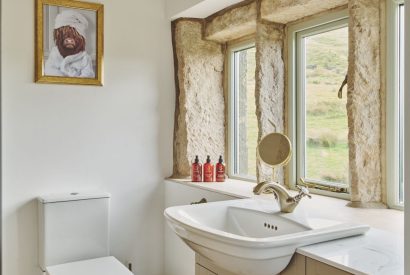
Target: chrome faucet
[287,202]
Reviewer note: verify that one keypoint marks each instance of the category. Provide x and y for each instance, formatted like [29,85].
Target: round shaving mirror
[274,150]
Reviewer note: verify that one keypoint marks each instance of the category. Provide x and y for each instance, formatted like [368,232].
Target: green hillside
[326,122]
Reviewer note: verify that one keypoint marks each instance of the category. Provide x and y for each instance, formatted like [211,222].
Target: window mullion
[300,110]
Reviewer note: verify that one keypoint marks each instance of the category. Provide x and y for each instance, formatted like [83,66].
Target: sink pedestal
[205,267]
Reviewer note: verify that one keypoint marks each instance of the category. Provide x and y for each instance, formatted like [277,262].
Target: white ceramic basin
[251,236]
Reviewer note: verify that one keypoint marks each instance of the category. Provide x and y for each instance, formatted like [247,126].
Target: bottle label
[196,173]
[208,173]
[220,173]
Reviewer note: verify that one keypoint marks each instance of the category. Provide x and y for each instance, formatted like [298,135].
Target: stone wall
[232,24]
[285,11]
[200,107]
[199,123]
[364,101]
[270,87]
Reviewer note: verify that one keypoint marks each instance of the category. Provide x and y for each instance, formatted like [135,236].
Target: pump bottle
[196,170]
[208,170]
[220,171]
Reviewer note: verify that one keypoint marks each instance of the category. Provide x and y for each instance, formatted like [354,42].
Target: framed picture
[69,42]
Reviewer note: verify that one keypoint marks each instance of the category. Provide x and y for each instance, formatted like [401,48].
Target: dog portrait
[69,47]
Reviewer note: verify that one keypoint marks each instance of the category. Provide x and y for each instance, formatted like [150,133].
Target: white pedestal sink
[251,236]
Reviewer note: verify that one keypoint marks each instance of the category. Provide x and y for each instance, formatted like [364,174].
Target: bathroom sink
[252,236]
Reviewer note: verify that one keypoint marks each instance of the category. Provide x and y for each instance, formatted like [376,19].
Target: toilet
[74,235]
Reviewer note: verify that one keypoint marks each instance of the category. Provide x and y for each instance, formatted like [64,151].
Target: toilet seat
[99,266]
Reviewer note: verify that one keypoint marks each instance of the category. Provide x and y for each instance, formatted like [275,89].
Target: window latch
[344,83]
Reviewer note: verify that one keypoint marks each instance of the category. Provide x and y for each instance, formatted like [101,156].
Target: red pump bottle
[196,171]
[220,171]
[208,170]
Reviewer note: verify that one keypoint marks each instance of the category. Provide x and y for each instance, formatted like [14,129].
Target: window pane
[401,103]
[245,113]
[326,146]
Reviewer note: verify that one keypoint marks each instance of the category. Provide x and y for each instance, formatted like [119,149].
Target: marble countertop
[380,251]
[377,252]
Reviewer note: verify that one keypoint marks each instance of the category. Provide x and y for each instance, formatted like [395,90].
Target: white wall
[174,7]
[407,140]
[118,138]
[196,8]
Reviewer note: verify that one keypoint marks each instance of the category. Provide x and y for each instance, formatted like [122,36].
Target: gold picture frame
[69,42]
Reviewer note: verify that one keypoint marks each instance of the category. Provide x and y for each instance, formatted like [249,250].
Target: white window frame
[392,104]
[232,102]
[296,105]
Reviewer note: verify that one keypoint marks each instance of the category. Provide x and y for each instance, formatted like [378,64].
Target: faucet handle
[303,191]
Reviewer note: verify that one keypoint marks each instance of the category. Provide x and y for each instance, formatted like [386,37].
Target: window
[401,103]
[318,117]
[243,126]
[395,104]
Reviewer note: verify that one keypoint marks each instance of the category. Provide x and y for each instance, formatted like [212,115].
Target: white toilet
[74,235]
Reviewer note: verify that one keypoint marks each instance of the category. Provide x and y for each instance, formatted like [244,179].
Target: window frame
[320,24]
[392,104]
[231,96]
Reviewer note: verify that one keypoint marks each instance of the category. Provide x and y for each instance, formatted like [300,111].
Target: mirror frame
[285,161]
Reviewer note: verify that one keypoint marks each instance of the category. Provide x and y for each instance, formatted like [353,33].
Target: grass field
[326,119]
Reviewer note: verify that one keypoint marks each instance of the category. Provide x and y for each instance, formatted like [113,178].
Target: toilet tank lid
[74,196]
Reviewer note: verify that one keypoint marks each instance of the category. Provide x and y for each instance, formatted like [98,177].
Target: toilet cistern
[74,235]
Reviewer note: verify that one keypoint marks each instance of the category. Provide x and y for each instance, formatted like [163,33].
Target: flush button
[74,194]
